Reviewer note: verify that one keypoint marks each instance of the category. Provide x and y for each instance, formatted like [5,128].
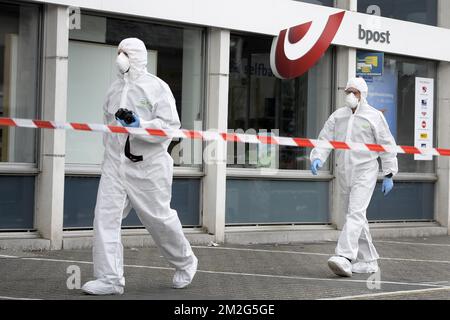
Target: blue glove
[135,124]
[315,165]
[388,184]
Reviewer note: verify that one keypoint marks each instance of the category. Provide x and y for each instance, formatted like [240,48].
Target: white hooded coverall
[146,185]
[356,171]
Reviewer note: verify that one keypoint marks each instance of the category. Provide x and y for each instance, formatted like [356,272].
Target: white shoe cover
[100,287]
[182,278]
[365,267]
[340,266]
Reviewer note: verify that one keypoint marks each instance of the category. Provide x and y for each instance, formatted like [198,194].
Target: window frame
[179,171]
[32,168]
[421,176]
[328,175]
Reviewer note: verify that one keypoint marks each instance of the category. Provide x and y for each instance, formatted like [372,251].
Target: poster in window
[424,109]
[369,63]
[383,96]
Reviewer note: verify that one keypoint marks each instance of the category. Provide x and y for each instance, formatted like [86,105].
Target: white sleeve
[166,118]
[383,135]
[327,133]
[105,120]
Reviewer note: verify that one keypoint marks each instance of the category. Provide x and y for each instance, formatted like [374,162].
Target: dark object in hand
[125,115]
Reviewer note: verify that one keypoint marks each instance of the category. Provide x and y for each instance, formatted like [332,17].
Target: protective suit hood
[137,54]
[359,84]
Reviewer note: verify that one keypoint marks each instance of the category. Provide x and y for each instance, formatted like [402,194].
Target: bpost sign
[400,37]
[295,50]
[375,36]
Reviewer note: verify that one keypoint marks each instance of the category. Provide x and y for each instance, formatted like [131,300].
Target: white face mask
[351,101]
[123,63]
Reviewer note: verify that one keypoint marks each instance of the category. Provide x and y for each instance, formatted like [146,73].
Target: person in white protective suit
[137,173]
[356,173]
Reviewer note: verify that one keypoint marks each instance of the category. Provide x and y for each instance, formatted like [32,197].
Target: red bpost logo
[297,49]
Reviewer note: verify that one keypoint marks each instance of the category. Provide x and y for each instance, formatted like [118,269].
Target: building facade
[57,61]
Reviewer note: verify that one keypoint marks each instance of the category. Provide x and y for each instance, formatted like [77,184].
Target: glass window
[174,55]
[16,202]
[259,101]
[19,61]
[328,3]
[407,201]
[419,11]
[270,202]
[80,214]
[394,94]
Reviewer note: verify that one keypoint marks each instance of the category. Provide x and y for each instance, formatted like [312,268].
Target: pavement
[417,268]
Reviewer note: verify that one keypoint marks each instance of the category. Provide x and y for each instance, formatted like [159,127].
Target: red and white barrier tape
[230,137]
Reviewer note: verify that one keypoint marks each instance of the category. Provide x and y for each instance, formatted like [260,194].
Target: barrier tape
[218,136]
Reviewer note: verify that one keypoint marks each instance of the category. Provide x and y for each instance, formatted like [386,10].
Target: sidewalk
[416,268]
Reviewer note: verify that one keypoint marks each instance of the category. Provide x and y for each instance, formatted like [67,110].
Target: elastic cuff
[350,260]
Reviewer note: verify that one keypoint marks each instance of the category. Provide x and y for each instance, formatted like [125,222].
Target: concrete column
[214,183]
[442,194]
[50,182]
[345,69]
[351,5]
